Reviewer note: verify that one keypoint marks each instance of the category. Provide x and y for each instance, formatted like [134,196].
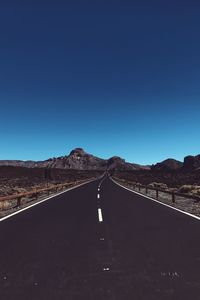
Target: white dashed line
[98,196]
[100,216]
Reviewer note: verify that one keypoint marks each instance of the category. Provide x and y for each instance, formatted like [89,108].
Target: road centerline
[100,215]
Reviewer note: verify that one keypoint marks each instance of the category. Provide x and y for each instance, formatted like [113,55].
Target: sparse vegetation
[172,182]
[171,178]
[17,180]
[190,189]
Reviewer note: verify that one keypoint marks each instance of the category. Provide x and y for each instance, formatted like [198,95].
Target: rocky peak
[168,164]
[77,152]
[116,162]
[192,162]
[116,159]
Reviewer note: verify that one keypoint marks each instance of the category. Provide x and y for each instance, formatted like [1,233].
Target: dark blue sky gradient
[112,77]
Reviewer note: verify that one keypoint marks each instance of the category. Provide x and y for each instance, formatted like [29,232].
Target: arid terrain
[170,175]
[174,181]
[20,179]
[166,178]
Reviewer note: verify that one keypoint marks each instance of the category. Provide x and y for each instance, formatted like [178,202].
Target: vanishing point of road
[100,241]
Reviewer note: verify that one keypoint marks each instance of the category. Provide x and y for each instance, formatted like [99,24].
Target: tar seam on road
[46,199]
[176,209]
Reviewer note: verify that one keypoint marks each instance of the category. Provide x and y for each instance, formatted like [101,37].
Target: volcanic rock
[191,163]
[168,164]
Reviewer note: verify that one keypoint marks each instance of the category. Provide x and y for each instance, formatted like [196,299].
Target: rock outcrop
[78,159]
[191,163]
[118,163]
[168,164]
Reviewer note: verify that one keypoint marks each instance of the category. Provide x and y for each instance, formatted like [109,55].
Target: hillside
[78,159]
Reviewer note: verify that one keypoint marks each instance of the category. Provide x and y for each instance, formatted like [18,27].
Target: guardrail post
[139,188]
[146,189]
[157,194]
[47,188]
[173,197]
[19,201]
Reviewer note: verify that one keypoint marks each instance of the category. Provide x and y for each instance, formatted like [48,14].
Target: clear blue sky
[113,78]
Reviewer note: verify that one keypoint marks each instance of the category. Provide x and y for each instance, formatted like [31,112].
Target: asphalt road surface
[102,243]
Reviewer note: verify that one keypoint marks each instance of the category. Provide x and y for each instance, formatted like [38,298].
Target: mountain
[78,159]
[191,162]
[167,164]
[118,163]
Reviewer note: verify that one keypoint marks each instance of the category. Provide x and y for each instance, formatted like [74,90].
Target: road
[100,243]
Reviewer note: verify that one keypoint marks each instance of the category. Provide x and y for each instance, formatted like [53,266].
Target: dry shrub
[192,189]
[159,185]
[7,204]
[186,188]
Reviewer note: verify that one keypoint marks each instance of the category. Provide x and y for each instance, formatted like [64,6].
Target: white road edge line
[174,208]
[100,215]
[48,198]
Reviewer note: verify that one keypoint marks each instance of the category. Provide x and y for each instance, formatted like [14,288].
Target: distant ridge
[190,163]
[167,164]
[78,159]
